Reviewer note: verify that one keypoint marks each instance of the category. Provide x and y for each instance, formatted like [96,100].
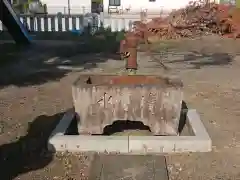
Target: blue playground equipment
[13,23]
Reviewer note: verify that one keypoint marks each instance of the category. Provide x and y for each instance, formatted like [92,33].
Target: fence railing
[62,23]
[52,23]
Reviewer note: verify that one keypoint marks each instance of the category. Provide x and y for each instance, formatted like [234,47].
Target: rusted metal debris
[197,19]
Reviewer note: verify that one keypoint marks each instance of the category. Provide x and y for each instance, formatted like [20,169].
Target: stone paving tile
[128,167]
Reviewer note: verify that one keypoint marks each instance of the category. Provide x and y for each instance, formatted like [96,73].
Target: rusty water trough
[99,100]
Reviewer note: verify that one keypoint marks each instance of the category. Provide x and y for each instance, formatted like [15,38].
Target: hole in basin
[126,127]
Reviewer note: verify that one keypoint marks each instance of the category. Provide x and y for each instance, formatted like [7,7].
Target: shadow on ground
[195,60]
[199,60]
[30,152]
[9,53]
[67,36]
[51,60]
[183,117]
[207,51]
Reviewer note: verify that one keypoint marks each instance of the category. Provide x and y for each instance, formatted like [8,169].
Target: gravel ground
[37,90]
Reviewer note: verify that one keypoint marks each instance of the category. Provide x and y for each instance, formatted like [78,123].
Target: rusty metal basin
[99,100]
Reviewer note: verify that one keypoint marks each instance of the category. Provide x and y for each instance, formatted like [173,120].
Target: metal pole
[69,10]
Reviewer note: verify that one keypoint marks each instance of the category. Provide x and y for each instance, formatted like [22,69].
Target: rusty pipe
[132,58]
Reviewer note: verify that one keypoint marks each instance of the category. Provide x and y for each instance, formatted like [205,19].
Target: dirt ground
[36,90]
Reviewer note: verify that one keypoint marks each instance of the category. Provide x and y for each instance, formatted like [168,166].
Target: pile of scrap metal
[203,18]
[197,19]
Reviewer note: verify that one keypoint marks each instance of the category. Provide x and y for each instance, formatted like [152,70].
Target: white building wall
[84,6]
[76,6]
[157,6]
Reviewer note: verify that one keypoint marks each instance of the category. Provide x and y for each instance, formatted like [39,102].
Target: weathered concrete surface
[197,140]
[100,100]
[120,167]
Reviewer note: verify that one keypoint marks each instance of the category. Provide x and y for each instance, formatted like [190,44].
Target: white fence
[53,23]
[62,23]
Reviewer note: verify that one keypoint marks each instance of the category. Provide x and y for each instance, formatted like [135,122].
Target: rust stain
[134,80]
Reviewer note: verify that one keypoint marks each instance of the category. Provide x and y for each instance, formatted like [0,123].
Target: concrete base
[198,142]
[125,167]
